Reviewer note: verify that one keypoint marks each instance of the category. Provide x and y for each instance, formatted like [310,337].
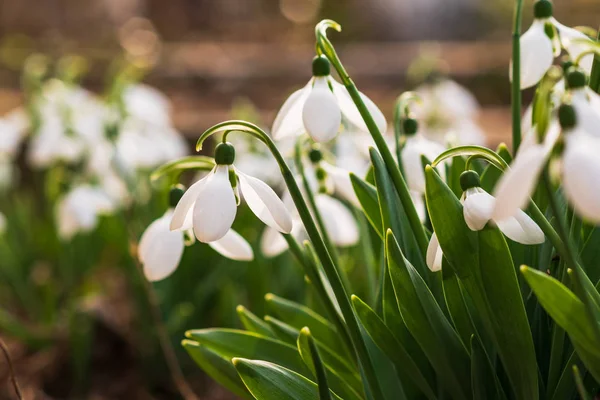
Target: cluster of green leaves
[485,327]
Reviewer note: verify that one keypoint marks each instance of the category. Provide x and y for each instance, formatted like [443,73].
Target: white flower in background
[415,147]
[318,108]
[147,104]
[580,123]
[13,127]
[3,224]
[333,179]
[538,49]
[478,206]
[79,209]
[210,205]
[339,222]
[257,161]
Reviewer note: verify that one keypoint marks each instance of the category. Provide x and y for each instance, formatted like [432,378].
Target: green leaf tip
[305,331]
[269,297]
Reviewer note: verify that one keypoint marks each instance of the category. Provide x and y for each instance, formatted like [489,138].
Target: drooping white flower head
[539,47]
[318,108]
[209,206]
[415,147]
[518,183]
[331,178]
[160,249]
[478,206]
[78,210]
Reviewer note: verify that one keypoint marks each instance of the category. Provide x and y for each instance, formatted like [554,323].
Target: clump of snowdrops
[482,265]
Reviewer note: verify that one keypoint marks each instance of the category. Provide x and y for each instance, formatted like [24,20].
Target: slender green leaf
[268,381]
[367,197]
[483,376]
[283,331]
[409,371]
[428,324]
[590,255]
[252,323]
[310,355]
[565,389]
[300,316]
[217,367]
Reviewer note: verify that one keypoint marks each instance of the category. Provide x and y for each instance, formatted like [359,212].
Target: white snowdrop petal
[160,249]
[186,203]
[288,121]
[265,203]
[342,183]
[477,210]
[350,111]
[215,207]
[416,147]
[588,116]
[517,183]
[233,246]
[521,228]
[339,221]
[581,175]
[434,254]
[569,38]
[536,54]
[272,243]
[321,113]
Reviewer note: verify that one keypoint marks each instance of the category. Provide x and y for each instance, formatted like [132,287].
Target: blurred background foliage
[76,315]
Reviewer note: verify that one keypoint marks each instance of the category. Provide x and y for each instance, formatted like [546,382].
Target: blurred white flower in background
[449,112]
[13,128]
[3,223]
[79,210]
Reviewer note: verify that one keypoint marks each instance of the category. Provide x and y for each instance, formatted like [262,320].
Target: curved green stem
[329,267]
[399,183]
[516,74]
[401,107]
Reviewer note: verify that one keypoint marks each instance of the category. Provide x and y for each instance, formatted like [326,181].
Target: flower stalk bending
[329,267]
[325,47]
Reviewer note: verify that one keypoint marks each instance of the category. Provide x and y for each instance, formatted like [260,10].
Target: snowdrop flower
[537,47]
[318,108]
[13,127]
[339,222]
[210,205]
[478,206]
[160,249]
[78,210]
[147,104]
[414,148]
[582,120]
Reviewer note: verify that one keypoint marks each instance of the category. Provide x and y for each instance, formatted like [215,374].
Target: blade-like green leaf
[299,316]
[568,312]
[217,367]
[565,389]
[409,371]
[483,377]
[590,254]
[367,197]
[283,331]
[456,305]
[268,381]
[231,343]
[252,323]
[428,324]
[310,355]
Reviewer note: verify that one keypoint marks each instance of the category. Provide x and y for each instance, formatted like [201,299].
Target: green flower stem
[329,267]
[313,204]
[312,272]
[595,75]
[567,251]
[516,74]
[325,46]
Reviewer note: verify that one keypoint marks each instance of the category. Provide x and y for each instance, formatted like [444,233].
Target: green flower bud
[315,155]
[542,9]
[410,126]
[320,66]
[469,179]
[175,194]
[576,78]
[224,154]
[567,116]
